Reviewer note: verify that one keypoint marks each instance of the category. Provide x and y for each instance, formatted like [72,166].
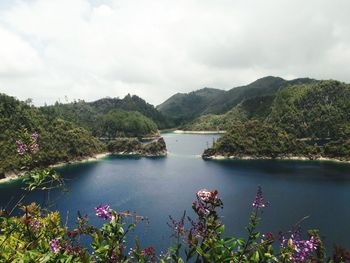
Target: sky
[62,50]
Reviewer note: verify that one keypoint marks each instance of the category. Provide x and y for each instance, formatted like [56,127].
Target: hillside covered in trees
[75,130]
[120,123]
[90,114]
[253,108]
[310,120]
[59,140]
[184,108]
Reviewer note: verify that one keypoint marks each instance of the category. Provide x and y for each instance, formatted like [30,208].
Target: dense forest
[89,114]
[311,120]
[253,108]
[59,140]
[74,130]
[120,123]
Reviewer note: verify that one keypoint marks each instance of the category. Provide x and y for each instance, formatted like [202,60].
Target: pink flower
[206,195]
[21,147]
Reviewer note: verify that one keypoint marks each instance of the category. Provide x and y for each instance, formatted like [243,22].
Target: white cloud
[17,57]
[91,49]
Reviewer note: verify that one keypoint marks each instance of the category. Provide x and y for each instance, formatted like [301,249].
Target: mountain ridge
[180,107]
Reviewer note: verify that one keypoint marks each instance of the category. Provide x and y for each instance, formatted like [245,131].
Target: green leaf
[199,250]
[255,256]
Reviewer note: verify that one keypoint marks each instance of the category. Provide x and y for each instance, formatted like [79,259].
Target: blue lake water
[159,187]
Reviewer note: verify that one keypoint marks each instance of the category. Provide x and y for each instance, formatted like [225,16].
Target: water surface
[159,187]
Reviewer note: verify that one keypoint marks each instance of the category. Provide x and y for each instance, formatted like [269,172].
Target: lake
[159,187]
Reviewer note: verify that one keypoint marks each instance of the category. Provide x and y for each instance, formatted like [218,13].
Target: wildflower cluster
[206,201]
[177,226]
[36,225]
[55,246]
[21,147]
[297,249]
[28,143]
[103,211]
[203,242]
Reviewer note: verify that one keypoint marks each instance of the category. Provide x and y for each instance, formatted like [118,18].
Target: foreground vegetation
[31,233]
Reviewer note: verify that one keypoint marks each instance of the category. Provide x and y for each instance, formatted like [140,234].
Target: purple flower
[34,136]
[200,208]
[197,229]
[21,147]
[302,249]
[36,224]
[31,144]
[178,226]
[259,201]
[55,246]
[103,211]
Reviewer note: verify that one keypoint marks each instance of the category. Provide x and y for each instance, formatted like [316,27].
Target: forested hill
[59,140]
[183,107]
[186,107]
[74,130]
[319,110]
[86,114]
[311,120]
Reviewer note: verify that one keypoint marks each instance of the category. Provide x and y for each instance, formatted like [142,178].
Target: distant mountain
[261,87]
[186,107]
[183,107]
[90,114]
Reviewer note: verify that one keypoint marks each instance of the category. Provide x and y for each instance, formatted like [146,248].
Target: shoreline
[82,160]
[285,158]
[198,132]
[12,176]
[136,154]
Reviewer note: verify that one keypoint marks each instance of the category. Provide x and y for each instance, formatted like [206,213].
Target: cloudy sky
[90,49]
